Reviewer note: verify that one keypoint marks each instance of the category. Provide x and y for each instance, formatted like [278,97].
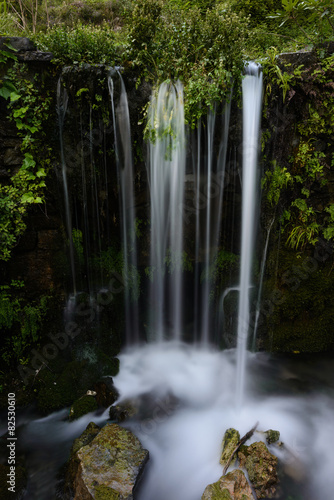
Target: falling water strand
[123,148]
[197,187]
[259,295]
[166,180]
[252,99]
[62,101]
[207,241]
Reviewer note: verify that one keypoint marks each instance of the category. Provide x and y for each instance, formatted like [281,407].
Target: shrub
[82,43]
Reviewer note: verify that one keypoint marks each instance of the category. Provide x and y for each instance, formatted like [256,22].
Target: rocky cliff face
[41,256]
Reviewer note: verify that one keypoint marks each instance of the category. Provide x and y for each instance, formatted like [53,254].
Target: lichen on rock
[261,467]
[232,486]
[230,441]
[109,465]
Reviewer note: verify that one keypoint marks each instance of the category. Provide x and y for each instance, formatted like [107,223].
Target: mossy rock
[234,482]
[261,467]
[230,441]
[110,463]
[82,406]
[272,436]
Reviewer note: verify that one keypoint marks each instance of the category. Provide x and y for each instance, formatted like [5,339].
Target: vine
[28,108]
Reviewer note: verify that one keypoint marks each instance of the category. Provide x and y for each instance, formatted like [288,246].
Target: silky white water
[125,170]
[166,184]
[193,403]
[252,101]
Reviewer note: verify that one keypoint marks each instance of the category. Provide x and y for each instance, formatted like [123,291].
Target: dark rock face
[109,466]
[233,486]
[24,49]
[20,44]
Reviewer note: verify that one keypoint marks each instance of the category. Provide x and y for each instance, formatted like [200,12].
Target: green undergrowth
[28,107]
[300,190]
[20,322]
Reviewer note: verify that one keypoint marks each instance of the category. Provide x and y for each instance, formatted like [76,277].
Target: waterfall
[252,100]
[62,101]
[166,181]
[123,150]
[259,295]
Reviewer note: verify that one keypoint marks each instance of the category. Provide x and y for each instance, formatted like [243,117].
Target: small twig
[240,443]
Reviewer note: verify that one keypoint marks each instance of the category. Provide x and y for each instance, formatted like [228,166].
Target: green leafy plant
[274,74]
[20,322]
[80,44]
[274,181]
[306,229]
[203,50]
[314,18]
[28,108]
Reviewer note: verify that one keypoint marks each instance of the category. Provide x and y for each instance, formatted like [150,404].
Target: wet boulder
[86,437]
[123,411]
[261,467]
[272,436]
[233,486]
[109,466]
[229,444]
[106,392]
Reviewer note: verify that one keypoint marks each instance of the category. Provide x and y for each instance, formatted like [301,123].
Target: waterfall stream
[188,394]
[123,150]
[166,181]
[252,101]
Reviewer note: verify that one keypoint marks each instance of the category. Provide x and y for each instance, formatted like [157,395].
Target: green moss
[216,493]
[103,492]
[230,441]
[301,320]
[86,437]
[82,406]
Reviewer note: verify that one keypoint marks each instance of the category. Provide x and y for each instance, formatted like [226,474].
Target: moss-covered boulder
[82,406]
[230,441]
[233,486]
[261,467]
[109,466]
[272,436]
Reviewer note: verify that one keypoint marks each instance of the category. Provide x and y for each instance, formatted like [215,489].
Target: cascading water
[186,394]
[166,181]
[123,150]
[252,102]
[259,295]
